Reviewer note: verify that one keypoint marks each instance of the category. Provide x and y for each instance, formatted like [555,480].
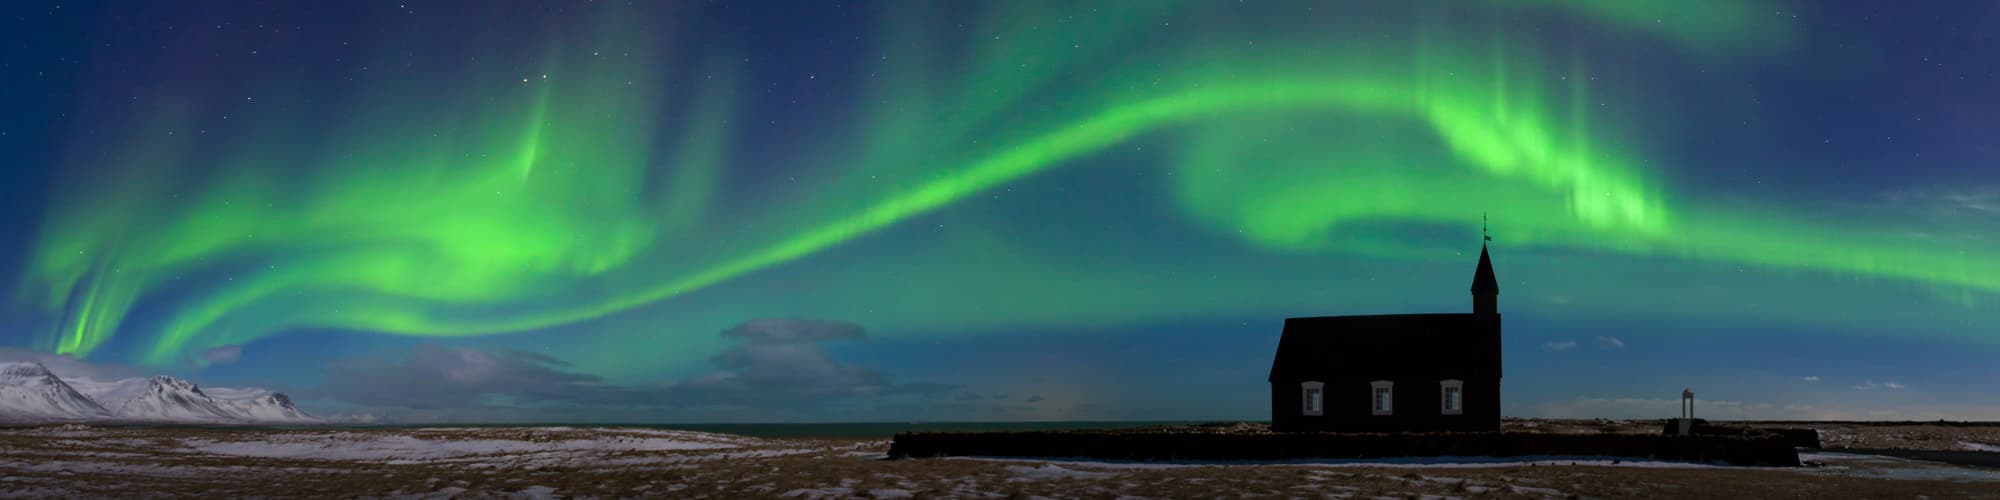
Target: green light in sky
[507,205]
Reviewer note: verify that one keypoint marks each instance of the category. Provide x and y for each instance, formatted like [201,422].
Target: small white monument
[1687,410]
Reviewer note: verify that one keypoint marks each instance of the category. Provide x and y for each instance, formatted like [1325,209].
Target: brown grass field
[557,462]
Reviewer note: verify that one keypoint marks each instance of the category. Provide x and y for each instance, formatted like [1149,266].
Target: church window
[1385,394]
[1453,396]
[1314,394]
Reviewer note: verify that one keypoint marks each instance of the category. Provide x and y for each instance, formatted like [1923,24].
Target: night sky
[892,211]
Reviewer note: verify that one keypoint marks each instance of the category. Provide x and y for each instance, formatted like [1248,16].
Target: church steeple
[1485,288]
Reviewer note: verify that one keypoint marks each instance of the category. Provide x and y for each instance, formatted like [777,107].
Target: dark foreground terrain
[548,462]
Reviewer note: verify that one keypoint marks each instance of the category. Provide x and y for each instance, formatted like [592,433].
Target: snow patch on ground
[67,467]
[536,492]
[676,459]
[1529,490]
[1045,472]
[449,492]
[64,430]
[818,493]
[377,446]
[1975,446]
[1881,467]
[10,491]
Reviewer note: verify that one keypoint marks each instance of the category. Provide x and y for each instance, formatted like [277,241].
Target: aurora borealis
[1024,187]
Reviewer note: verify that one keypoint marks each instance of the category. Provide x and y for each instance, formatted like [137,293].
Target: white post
[1687,410]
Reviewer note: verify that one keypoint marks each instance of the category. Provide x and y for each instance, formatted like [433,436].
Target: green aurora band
[554,200]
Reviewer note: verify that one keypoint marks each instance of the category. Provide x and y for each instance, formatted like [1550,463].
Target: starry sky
[892,211]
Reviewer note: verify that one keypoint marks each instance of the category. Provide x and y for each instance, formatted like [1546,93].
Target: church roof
[1392,345]
[1482,279]
[1382,344]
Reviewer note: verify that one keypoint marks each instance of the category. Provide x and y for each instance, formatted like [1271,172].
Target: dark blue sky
[536,211]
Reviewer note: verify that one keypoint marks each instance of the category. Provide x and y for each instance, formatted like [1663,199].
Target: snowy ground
[123,462]
[549,462]
[1910,436]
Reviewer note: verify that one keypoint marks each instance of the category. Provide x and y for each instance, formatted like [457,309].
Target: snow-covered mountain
[111,394]
[165,398]
[259,405]
[28,392]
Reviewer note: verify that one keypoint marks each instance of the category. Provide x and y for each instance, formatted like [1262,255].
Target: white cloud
[1610,343]
[776,369]
[224,355]
[794,330]
[1959,202]
[1870,384]
[1812,378]
[781,359]
[435,377]
[1559,346]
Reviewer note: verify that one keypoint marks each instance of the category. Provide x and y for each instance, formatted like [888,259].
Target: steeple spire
[1485,288]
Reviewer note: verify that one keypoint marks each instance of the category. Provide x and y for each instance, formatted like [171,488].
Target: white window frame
[1446,390]
[1386,392]
[1307,390]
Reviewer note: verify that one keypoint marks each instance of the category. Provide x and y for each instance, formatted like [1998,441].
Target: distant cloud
[794,330]
[1610,343]
[1982,202]
[352,418]
[783,364]
[67,366]
[1870,385]
[779,370]
[1035,398]
[437,377]
[1812,378]
[1559,346]
[223,355]
[1977,208]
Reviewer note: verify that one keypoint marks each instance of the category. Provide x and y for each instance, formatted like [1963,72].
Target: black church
[1392,372]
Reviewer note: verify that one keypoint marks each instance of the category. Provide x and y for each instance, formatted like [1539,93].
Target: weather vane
[1482,227]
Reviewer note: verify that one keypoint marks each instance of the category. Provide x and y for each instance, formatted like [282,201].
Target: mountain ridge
[29,392]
